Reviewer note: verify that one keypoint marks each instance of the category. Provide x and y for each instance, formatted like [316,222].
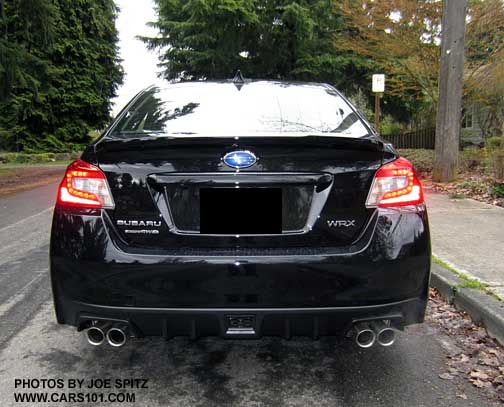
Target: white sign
[378,83]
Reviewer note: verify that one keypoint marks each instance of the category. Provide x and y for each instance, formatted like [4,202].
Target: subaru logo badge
[240,159]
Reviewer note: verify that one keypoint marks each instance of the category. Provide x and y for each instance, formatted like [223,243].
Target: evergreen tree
[59,69]
[212,39]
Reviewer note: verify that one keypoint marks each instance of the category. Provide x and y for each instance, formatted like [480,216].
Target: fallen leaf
[478,374]
[489,361]
[463,358]
[453,371]
[474,355]
[477,383]
[501,395]
[499,380]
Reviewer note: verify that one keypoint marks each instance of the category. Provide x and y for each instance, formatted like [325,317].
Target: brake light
[84,186]
[395,184]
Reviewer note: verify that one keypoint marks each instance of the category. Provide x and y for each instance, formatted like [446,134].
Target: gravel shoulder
[14,179]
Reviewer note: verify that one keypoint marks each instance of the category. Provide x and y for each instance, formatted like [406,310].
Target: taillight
[84,186]
[395,184]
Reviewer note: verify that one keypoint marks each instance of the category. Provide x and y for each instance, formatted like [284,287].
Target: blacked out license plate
[241,211]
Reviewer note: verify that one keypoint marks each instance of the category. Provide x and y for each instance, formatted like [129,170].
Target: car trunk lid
[158,183]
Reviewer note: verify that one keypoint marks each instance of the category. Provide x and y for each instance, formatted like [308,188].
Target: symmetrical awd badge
[153,226]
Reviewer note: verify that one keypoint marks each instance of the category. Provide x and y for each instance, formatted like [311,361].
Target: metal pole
[377,112]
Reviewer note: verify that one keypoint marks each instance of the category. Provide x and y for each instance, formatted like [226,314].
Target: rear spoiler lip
[370,143]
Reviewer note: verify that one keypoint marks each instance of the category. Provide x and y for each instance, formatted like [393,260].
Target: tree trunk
[451,71]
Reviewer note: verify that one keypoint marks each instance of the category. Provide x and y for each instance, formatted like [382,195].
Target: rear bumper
[287,292]
[246,323]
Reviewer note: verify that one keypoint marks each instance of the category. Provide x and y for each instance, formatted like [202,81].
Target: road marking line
[22,242]
[21,294]
[26,219]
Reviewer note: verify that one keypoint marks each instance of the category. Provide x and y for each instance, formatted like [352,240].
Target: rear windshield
[227,109]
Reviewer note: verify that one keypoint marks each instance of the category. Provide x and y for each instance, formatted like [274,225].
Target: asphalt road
[206,372]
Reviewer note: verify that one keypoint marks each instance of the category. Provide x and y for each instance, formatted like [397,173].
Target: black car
[240,209]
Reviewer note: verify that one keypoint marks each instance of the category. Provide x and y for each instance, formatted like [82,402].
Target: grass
[468,281]
[40,158]
[5,172]
[61,162]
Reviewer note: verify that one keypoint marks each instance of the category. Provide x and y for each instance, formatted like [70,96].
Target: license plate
[241,211]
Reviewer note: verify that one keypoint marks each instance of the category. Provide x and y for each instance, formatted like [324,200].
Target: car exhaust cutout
[116,336]
[385,335]
[95,334]
[364,335]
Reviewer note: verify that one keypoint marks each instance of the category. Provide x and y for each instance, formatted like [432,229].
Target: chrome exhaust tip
[95,336]
[365,337]
[116,337]
[385,335]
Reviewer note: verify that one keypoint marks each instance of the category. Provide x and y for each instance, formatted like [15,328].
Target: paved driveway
[468,234]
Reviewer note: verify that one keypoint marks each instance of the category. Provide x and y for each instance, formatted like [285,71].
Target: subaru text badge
[240,159]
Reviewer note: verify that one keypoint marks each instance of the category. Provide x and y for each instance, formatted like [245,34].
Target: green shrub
[94,134]
[62,157]
[472,157]
[389,127]
[498,191]
[23,158]
[423,160]
[474,186]
[496,158]
[495,142]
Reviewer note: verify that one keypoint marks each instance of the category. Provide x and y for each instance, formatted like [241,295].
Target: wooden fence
[423,138]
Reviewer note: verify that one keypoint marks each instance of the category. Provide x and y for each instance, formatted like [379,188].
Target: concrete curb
[482,308]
